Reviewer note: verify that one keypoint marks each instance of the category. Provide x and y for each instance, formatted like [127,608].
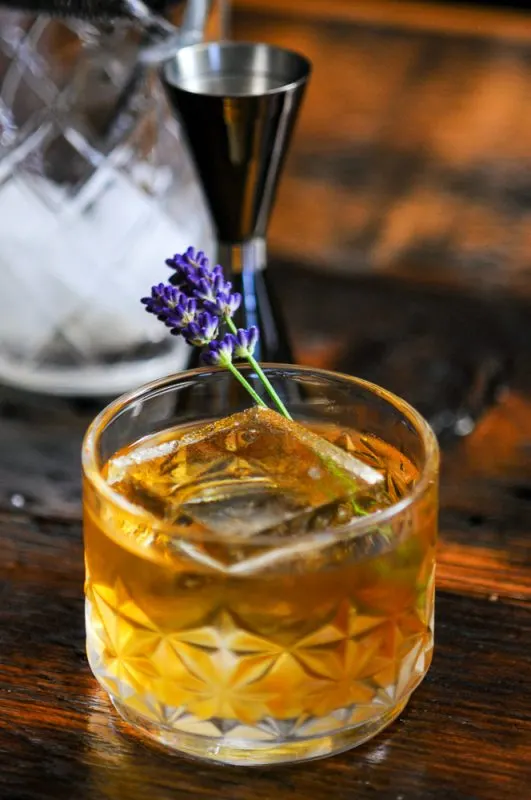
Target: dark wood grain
[411,154]
[402,252]
[472,709]
[475,700]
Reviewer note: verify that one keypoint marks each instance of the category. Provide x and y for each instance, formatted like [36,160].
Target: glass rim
[357,526]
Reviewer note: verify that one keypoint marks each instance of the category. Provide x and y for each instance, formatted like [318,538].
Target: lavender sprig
[196,304]
[219,354]
[248,354]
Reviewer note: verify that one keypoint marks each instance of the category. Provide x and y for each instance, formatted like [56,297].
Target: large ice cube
[246,474]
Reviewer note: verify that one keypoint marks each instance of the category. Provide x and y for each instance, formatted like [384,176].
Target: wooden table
[403,231]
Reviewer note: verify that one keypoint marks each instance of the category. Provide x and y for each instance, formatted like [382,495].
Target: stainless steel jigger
[238,104]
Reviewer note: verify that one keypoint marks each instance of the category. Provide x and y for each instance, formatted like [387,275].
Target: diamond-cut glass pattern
[222,677]
[254,636]
[96,190]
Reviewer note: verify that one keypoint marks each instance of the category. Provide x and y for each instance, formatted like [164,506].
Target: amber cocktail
[260,590]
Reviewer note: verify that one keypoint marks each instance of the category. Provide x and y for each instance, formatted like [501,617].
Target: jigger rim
[300,65]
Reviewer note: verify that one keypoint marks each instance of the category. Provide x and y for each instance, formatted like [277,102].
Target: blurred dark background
[404,213]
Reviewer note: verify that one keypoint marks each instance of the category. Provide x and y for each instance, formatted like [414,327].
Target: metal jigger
[238,103]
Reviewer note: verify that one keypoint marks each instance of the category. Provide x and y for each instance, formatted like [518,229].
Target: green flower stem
[284,411]
[346,481]
[269,388]
[263,377]
[246,385]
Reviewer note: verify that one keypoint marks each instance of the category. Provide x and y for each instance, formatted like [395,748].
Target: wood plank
[402,255]
[411,154]
[470,720]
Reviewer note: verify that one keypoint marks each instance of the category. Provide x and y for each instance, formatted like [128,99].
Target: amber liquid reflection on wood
[296,657]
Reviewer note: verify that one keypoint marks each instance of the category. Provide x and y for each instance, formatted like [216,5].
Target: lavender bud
[163,300]
[204,290]
[230,303]
[224,304]
[183,314]
[245,341]
[219,353]
[201,331]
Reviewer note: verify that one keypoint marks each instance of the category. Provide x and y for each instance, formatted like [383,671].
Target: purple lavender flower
[189,268]
[193,276]
[163,299]
[171,306]
[183,276]
[201,331]
[211,284]
[219,353]
[245,341]
[197,301]
[183,314]
[189,259]
[225,303]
